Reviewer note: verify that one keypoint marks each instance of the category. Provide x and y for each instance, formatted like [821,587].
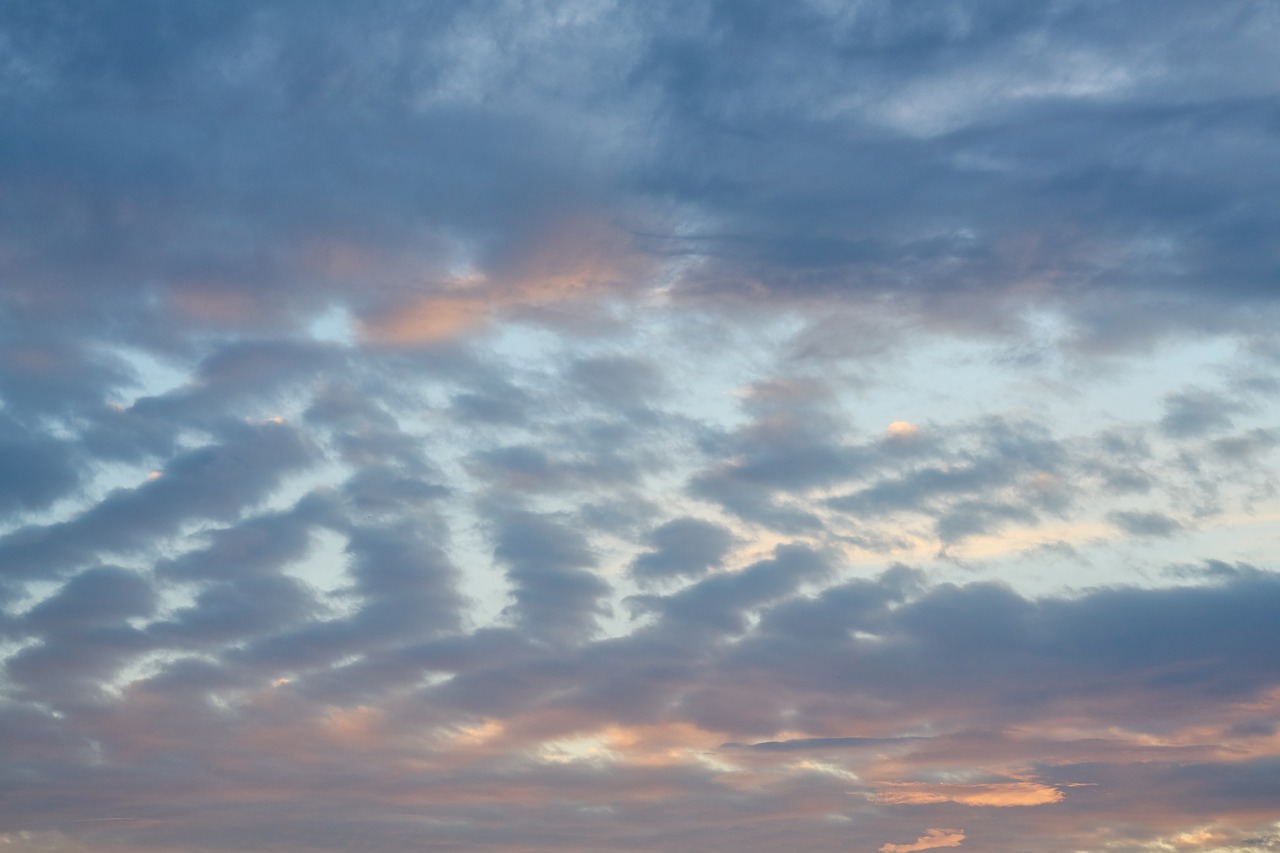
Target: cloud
[1001,795]
[651,426]
[823,743]
[98,596]
[1197,413]
[34,473]
[1006,479]
[902,431]
[618,380]
[931,839]
[719,602]
[683,547]
[1145,523]
[212,482]
[555,593]
[545,697]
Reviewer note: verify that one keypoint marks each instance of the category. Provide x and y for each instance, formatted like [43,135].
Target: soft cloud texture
[581,425]
[932,839]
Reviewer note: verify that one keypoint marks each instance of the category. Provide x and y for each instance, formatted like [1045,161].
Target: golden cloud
[573,258]
[932,839]
[998,794]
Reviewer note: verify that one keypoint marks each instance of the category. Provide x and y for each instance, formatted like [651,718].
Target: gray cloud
[682,547]
[720,603]
[34,472]
[213,482]
[1195,413]
[617,380]
[1075,149]
[556,594]
[1145,523]
[100,596]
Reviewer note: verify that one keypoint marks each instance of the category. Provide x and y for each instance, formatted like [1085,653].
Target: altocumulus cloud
[597,426]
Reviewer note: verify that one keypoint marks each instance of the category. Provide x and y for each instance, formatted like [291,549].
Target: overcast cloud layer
[598,426]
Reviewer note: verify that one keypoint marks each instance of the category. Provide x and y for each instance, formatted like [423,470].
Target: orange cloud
[353,727]
[479,734]
[572,255]
[902,430]
[572,258]
[425,320]
[657,745]
[999,794]
[932,838]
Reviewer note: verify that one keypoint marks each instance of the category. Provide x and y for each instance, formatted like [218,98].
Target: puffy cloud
[683,547]
[556,594]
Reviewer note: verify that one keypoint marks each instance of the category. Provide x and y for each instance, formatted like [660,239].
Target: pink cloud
[569,259]
[1003,794]
[932,839]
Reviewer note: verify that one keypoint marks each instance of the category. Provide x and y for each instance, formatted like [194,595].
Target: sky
[576,425]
